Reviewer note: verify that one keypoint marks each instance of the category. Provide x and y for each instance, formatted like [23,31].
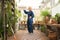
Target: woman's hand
[30,17]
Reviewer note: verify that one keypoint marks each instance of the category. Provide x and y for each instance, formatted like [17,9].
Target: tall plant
[11,18]
[1,20]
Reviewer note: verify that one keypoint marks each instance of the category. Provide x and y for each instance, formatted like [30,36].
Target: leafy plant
[1,22]
[11,18]
[17,12]
[45,13]
[43,28]
[57,16]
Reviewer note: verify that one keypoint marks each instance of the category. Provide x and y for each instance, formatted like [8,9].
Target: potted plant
[44,13]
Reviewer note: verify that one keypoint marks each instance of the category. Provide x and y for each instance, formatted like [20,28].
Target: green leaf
[45,13]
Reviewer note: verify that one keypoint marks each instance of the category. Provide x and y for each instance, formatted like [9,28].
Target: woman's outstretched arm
[25,12]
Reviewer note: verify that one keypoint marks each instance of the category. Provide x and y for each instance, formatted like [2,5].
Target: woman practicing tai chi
[30,19]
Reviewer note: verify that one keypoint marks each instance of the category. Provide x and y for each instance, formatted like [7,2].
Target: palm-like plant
[45,13]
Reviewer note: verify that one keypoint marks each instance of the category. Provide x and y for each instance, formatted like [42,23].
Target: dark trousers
[30,28]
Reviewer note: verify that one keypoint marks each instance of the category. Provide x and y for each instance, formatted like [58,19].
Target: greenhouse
[29,19]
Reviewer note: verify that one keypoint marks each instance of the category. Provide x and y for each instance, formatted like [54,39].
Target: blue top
[30,13]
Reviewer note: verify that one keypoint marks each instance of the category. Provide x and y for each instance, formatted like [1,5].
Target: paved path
[24,35]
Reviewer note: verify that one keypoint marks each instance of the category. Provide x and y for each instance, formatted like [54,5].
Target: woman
[30,19]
